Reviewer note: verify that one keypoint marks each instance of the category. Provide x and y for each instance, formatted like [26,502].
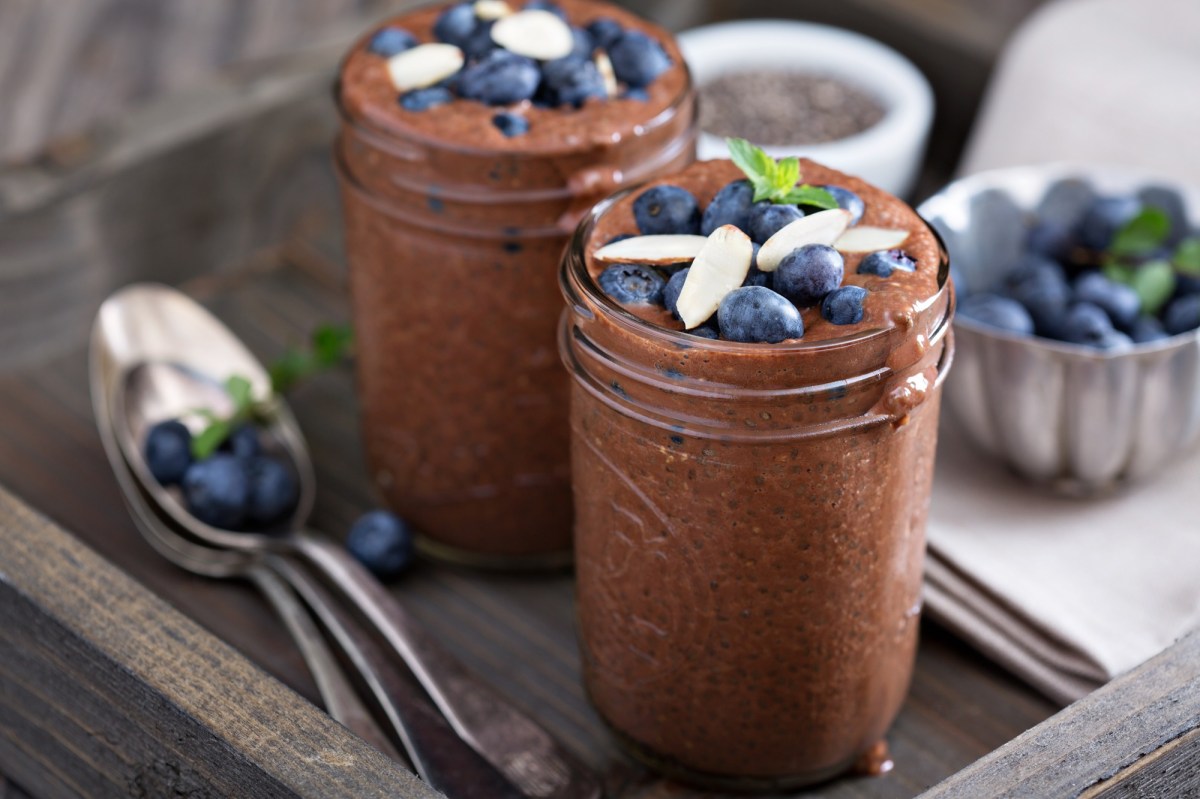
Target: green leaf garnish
[1187,256]
[1141,235]
[1154,283]
[776,180]
[330,345]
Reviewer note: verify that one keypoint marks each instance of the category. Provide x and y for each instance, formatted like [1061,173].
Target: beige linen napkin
[1066,593]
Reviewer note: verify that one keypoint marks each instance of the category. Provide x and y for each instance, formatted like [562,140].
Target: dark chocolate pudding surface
[750,517]
[454,233]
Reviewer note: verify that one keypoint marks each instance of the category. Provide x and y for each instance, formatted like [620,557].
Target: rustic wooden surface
[107,692]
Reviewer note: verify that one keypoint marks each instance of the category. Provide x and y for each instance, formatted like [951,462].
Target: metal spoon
[162,356]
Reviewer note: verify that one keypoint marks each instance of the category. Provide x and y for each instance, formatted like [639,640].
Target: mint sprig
[1136,258]
[329,346]
[776,181]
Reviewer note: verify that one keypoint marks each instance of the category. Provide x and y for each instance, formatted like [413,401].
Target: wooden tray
[123,676]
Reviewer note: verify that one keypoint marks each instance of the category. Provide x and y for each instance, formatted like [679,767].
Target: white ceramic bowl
[888,154]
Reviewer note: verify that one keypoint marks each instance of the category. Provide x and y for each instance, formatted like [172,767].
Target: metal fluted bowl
[1076,418]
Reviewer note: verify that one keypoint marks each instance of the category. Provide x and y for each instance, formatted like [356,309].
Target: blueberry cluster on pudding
[744,252]
[1105,272]
[488,69]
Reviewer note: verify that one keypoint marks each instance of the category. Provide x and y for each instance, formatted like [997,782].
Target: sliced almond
[424,65]
[536,34]
[492,9]
[720,267]
[823,227]
[604,64]
[653,250]
[870,239]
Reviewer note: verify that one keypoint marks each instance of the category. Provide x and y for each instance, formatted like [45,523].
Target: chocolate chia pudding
[459,197]
[750,516]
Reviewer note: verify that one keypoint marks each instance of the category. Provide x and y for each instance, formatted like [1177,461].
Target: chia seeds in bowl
[779,107]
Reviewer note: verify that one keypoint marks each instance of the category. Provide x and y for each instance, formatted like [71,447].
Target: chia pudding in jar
[473,139]
[752,449]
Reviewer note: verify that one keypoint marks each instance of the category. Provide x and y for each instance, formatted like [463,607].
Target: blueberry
[997,311]
[217,491]
[1146,329]
[1114,340]
[637,59]
[382,542]
[480,42]
[511,124]
[630,283]
[1103,218]
[583,44]
[884,262]
[546,5]
[243,442]
[1032,265]
[1085,324]
[807,274]
[765,219]
[641,95]
[670,295]
[1045,294]
[274,492]
[1186,284]
[605,31]
[456,24]
[755,313]
[728,207]
[571,81]
[391,40]
[500,78]
[1170,202]
[666,210]
[847,201]
[706,330]
[1119,301]
[424,99]
[844,306]
[1050,239]
[757,277]
[168,451]
[1182,315]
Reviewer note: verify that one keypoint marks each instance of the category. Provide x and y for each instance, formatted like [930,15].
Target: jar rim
[575,278]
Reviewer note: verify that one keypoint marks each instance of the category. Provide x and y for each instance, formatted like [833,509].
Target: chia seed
[771,107]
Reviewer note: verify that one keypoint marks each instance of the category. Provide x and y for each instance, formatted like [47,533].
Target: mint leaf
[1154,283]
[811,195]
[206,442]
[1141,235]
[241,392]
[756,164]
[787,174]
[1187,256]
[1119,273]
[331,343]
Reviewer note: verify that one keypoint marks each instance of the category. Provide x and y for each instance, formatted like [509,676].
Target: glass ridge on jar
[749,534]
[453,254]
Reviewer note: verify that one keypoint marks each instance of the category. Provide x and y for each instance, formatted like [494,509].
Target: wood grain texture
[1137,736]
[109,692]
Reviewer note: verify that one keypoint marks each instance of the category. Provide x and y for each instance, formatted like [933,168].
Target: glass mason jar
[749,535]
[453,254]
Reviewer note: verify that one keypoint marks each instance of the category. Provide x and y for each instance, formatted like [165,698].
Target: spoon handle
[340,699]
[442,759]
[515,744]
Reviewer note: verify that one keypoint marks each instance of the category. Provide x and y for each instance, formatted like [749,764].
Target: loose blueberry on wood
[500,78]
[765,219]
[391,40]
[168,451]
[630,283]
[663,210]
[997,311]
[382,542]
[844,305]
[757,314]
[217,491]
[638,59]
[728,207]
[807,274]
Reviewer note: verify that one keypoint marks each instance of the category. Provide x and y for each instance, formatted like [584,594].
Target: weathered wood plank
[107,691]
[1137,736]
